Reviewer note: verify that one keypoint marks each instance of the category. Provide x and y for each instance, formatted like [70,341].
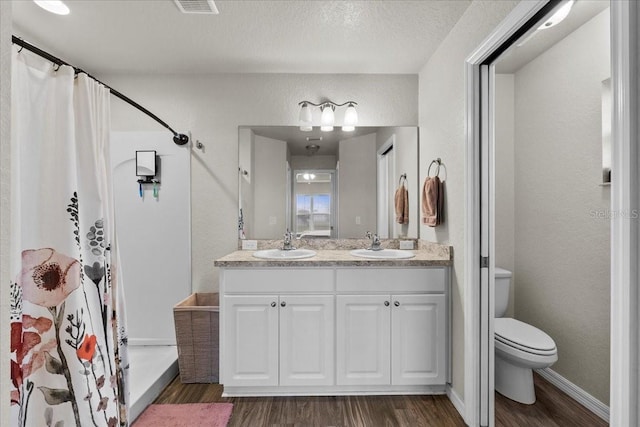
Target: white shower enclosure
[153,232]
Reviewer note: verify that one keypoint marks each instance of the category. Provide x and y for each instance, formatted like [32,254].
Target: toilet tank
[503,286]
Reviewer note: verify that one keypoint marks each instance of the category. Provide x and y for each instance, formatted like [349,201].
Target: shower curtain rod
[178,138]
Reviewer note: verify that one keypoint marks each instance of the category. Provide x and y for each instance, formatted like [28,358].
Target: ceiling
[153,36]
[297,139]
[517,57]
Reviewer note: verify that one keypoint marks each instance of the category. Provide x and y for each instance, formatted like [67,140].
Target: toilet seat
[524,337]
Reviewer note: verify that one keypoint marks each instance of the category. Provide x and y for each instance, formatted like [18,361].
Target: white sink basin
[383,254]
[280,254]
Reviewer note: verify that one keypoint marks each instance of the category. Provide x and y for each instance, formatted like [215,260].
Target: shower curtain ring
[20,50]
[55,70]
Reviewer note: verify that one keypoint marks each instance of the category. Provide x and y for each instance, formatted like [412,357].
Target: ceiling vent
[197,6]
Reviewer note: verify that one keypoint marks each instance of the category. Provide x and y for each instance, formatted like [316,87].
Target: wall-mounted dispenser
[146,170]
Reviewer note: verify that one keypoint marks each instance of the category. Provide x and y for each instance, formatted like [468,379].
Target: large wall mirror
[326,184]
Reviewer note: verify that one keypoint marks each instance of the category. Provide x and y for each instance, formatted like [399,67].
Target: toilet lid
[522,335]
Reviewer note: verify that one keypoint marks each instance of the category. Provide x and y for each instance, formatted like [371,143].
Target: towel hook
[403,176]
[438,162]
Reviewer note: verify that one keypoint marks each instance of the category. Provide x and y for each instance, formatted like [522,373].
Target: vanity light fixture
[328,117]
[53,6]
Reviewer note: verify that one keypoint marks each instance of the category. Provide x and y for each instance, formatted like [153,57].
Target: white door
[251,341]
[385,200]
[363,339]
[418,344]
[307,340]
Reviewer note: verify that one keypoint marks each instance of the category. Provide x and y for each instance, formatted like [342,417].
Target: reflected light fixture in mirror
[53,6]
[312,148]
[327,117]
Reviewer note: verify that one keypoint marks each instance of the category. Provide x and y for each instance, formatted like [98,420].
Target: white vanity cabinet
[391,339]
[392,326]
[333,330]
[251,342]
[279,340]
[277,327]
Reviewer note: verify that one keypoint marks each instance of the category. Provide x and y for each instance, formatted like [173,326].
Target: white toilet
[519,348]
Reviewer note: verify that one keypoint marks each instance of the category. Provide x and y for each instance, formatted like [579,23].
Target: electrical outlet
[406,244]
[249,245]
[273,220]
[358,221]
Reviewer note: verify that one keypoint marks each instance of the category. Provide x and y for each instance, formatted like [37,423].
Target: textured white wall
[504,185]
[5,196]
[213,106]
[357,185]
[313,162]
[442,134]
[562,243]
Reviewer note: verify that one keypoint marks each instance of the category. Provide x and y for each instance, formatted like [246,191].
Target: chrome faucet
[375,241]
[286,244]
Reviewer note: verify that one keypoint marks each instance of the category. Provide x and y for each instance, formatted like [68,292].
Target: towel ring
[438,162]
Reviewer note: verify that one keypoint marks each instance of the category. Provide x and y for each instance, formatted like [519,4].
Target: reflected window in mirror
[314,201]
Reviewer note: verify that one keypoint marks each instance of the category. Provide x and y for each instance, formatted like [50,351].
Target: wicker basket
[197,324]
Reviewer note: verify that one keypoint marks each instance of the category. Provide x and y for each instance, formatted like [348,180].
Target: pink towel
[432,201]
[401,202]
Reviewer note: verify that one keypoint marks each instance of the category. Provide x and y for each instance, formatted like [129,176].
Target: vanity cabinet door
[307,324]
[251,340]
[363,339]
[418,340]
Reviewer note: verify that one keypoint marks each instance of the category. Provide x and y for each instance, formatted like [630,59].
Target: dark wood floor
[553,408]
[351,411]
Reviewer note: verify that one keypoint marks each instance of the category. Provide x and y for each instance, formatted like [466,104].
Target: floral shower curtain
[68,342]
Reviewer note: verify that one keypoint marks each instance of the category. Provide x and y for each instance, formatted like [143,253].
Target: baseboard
[150,341]
[575,392]
[456,400]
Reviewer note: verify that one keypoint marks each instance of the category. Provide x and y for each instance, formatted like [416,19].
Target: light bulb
[305,118]
[53,6]
[350,119]
[327,118]
[558,16]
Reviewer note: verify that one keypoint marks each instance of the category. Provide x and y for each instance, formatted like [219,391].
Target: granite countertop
[426,256]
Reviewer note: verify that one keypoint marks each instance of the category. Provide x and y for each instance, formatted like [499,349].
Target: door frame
[383,195]
[479,219]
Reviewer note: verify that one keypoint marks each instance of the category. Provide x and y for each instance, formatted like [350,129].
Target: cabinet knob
[283,304]
[273,304]
[386,303]
[396,303]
